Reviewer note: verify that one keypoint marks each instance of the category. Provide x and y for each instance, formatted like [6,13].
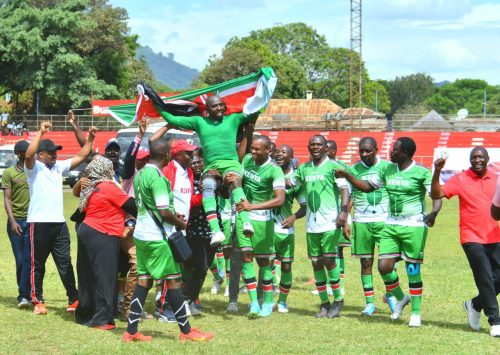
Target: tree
[242,57]
[465,93]
[409,90]
[64,51]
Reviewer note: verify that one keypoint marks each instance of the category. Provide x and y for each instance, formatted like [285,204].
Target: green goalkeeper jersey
[406,190]
[372,206]
[218,138]
[322,192]
[259,183]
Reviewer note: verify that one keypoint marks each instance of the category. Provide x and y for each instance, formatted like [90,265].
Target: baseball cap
[181,145]
[48,146]
[21,146]
[143,153]
[112,142]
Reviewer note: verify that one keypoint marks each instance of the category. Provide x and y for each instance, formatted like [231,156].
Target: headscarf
[98,170]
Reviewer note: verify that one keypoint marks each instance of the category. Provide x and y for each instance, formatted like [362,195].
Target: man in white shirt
[48,230]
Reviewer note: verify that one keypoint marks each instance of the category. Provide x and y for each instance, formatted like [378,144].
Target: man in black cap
[16,201]
[48,230]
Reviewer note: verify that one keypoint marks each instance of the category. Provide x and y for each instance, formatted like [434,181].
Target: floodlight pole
[356,47]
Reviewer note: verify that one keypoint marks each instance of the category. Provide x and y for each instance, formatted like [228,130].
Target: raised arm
[436,191]
[129,160]
[80,137]
[361,185]
[86,149]
[30,158]
[184,122]
[160,133]
[246,141]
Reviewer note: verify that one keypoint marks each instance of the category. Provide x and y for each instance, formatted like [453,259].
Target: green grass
[447,282]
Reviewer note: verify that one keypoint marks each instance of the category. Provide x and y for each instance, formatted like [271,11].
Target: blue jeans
[22,253]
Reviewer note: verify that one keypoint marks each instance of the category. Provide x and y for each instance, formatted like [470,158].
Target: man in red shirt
[479,233]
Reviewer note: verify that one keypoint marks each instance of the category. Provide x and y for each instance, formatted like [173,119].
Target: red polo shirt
[475,194]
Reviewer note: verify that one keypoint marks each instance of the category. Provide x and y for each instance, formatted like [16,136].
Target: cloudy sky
[447,39]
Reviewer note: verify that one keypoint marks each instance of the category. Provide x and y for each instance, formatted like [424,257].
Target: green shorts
[155,261]
[365,237]
[284,244]
[323,245]
[261,244]
[224,167]
[226,227]
[403,241]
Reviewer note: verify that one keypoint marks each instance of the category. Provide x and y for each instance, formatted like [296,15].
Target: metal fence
[401,122]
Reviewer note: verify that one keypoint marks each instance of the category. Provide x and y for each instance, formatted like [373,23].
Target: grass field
[447,282]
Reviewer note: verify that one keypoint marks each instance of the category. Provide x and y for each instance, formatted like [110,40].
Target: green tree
[64,51]
[465,93]
[409,90]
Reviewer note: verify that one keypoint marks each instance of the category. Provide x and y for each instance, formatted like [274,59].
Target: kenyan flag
[248,94]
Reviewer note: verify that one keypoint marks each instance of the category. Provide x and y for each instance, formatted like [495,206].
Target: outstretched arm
[160,133]
[184,122]
[361,185]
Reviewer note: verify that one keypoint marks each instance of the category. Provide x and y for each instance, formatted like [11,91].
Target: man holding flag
[217,123]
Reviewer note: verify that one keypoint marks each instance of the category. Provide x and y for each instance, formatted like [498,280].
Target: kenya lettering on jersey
[322,192]
[285,211]
[372,206]
[259,183]
[406,190]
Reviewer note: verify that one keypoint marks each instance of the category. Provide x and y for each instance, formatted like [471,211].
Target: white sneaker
[495,330]
[232,307]
[328,291]
[217,238]
[216,287]
[398,309]
[248,229]
[282,307]
[226,292]
[23,303]
[473,316]
[415,321]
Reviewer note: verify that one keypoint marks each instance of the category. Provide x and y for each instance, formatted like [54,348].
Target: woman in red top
[105,205]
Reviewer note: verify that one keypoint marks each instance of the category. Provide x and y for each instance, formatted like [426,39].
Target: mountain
[166,70]
[441,83]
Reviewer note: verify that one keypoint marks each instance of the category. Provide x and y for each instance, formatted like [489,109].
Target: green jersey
[259,183]
[218,138]
[285,211]
[372,206]
[225,208]
[322,192]
[153,192]
[15,180]
[406,190]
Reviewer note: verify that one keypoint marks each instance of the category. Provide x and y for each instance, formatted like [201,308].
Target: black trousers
[202,258]
[484,260]
[51,238]
[97,266]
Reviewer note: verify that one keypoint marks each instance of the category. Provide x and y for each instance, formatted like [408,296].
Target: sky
[447,39]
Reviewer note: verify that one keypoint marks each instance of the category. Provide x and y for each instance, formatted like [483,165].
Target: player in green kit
[284,232]
[264,186]
[344,242]
[327,203]
[406,226]
[370,214]
[218,140]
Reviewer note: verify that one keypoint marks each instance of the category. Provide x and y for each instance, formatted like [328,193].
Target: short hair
[369,140]
[158,149]
[212,97]
[198,151]
[407,145]
[483,149]
[318,136]
[331,143]
[288,147]
[264,139]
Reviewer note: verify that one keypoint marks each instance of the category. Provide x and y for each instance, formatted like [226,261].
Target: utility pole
[356,47]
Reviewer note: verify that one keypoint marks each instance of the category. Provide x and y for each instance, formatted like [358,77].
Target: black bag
[177,241]
[77,216]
